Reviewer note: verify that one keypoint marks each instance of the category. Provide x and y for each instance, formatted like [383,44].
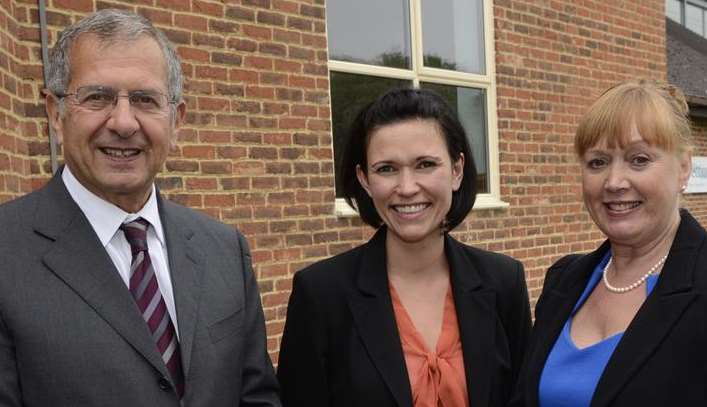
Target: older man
[109,294]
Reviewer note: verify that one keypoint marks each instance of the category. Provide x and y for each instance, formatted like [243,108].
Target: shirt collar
[105,217]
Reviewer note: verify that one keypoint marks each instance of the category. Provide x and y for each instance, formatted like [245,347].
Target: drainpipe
[45,68]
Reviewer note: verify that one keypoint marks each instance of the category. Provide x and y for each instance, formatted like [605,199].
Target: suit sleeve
[10,394]
[302,363]
[258,383]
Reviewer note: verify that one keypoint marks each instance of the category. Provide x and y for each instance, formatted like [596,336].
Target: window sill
[483,201]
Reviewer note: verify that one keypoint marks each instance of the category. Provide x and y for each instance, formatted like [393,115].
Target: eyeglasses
[104,99]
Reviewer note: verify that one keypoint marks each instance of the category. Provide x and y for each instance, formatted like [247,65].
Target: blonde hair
[657,109]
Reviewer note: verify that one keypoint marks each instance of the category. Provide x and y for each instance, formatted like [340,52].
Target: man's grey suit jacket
[71,334]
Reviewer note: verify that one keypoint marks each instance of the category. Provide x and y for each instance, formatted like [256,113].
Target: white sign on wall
[698,179]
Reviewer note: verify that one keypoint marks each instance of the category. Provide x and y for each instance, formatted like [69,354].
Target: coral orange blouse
[437,379]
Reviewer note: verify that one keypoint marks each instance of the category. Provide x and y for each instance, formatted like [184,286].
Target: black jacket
[341,345]
[661,359]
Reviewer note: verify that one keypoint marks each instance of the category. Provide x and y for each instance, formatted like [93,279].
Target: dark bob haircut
[393,107]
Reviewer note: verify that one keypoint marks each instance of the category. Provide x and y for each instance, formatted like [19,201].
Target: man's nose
[122,119]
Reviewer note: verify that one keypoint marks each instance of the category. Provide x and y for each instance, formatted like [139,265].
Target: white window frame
[683,14]
[420,73]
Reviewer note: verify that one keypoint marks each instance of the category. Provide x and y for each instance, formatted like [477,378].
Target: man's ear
[180,114]
[54,115]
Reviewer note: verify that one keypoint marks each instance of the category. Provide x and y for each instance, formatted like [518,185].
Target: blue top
[571,375]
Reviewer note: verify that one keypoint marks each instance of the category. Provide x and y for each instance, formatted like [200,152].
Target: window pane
[371,32]
[453,35]
[693,18]
[470,106]
[672,10]
[349,94]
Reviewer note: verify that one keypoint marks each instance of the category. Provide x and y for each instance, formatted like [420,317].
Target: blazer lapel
[372,311]
[558,302]
[185,266]
[661,310]
[80,261]
[476,308]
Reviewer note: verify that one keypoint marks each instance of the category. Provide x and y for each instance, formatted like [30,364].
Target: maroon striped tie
[146,292]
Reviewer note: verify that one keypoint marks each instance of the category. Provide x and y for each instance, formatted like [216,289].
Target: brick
[275,108]
[297,81]
[193,54]
[226,58]
[312,11]
[191,22]
[257,32]
[272,49]
[300,53]
[177,5]
[84,6]
[207,8]
[287,66]
[243,44]
[297,23]
[201,184]
[264,153]
[222,27]
[216,167]
[258,62]
[257,3]
[259,92]
[240,13]
[290,7]
[292,123]
[212,72]
[265,17]
[306,139]
[215,41]
[182,166]
[287,36]
[261,122]
[242,75]
[228,89]
[177,36]
[157,16]
[294,95]
[272,78]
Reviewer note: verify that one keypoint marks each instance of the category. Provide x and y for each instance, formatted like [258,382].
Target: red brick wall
[257,151]
[553,58]
[18,101]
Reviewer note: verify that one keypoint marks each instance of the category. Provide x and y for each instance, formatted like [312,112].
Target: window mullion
[416,37]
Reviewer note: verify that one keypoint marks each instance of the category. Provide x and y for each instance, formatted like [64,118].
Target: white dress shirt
[106,218]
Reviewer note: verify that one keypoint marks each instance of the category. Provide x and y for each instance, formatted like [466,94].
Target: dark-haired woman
[413,317]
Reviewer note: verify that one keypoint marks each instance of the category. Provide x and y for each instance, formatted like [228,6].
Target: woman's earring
[444,227]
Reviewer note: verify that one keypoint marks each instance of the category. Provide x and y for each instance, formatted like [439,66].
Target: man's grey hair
[110,26]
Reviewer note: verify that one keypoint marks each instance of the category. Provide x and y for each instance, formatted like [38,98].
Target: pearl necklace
[621,290]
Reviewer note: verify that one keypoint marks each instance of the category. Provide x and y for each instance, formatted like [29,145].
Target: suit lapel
[658,314]
[81,262]
[558,302]
[372,311]
[185,265]
[476,311]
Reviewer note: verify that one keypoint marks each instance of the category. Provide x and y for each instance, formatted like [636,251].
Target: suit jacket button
[164,384]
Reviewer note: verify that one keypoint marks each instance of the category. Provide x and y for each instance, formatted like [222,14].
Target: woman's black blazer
[661,359]
[340,346]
